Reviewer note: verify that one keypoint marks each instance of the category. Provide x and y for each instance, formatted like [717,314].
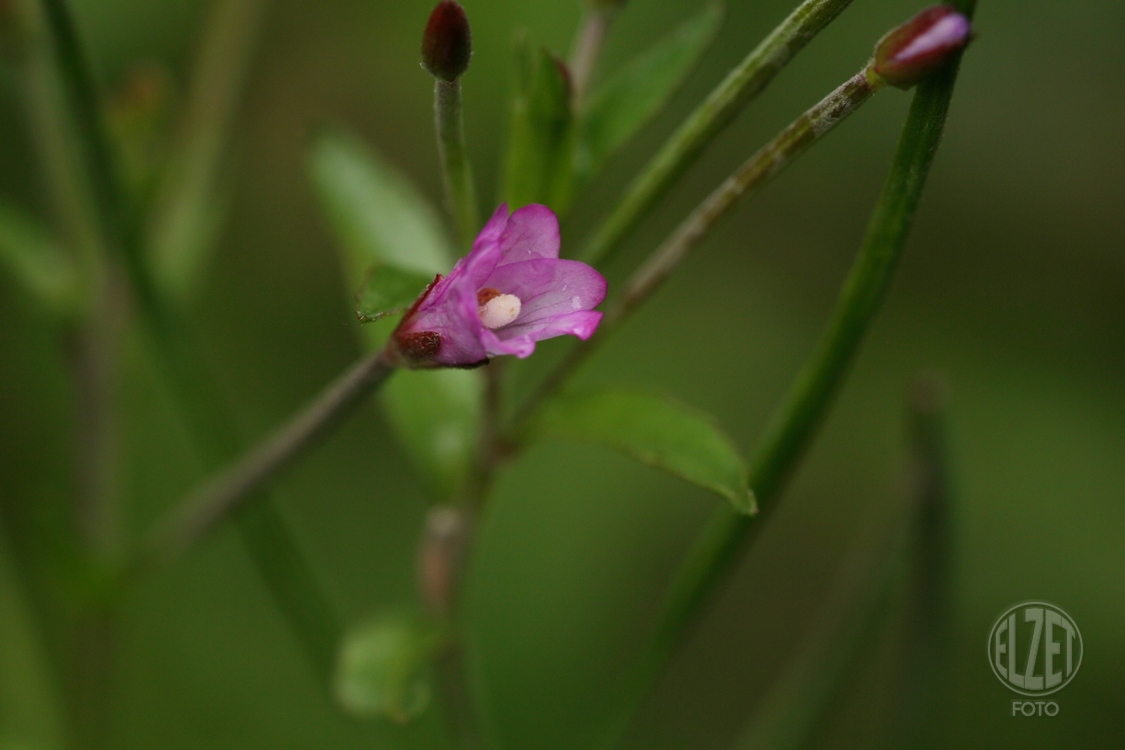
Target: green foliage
[388,290]
[657,431]
[382,668]
[376,213]
[384,223]
[541,137]
[622,105]
[37,262]
[436,415]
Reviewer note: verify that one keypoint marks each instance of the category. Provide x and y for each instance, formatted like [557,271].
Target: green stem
[794,424]
[223,494]
[755,173]
[740,86]
[459,187]
[588,46]
[178,230]
[213,433]
[920,693]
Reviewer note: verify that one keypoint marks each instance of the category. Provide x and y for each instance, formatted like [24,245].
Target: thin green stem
[795,422]
[588,44]
[293,583]
[755,173]
[179,229]
[920,693]
[740,86]
[221,495]
[460,190]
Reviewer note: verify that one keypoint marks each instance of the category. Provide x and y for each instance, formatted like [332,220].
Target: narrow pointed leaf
[622,105]
[539,167]
[31,256]
[388,290]
[382,668]
[375,212]
[657,431]
[382,220]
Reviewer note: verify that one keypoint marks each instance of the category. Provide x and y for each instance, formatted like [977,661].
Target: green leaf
[619,108]
[383,221]
[382,668]
[388,290]
[539,166]
[436,415]
[30,709]
[34,258]
[657,431]
[375,212]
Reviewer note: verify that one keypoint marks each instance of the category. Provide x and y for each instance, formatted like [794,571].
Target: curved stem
[220,496]
[812,392]
[758,170]
[736,90]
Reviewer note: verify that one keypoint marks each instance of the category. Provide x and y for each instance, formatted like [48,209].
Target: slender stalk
[222,495]
[180,224]
[681,149]
[758,170]
[812,392]
[920,663]
[293,584]
[460,191]
[588,44]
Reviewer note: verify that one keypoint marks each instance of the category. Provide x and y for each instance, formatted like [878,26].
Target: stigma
[497,310]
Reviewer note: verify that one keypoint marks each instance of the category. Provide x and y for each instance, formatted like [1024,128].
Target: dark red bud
[447,44]
[419,345]
[921,45]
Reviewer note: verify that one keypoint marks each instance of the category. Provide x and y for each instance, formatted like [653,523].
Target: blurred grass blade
[657,431]
[617,109]
[40,265]
[30,714]
[374,211]
[382,665]
[381,219]
[541,137]
[436,415]
[788,717]
[921,692]
[388,290]
[191,204]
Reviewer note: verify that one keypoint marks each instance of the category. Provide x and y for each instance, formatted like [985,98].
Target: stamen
[497,310]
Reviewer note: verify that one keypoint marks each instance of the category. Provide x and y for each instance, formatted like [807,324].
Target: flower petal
[519,339]
[491,232]
[532,232]
[548,288]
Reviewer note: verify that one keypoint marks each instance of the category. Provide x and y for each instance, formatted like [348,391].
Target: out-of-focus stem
[460,191]
[274,550]
[588,44]
[769,161]
[175,240]
[222,495]
[681,149]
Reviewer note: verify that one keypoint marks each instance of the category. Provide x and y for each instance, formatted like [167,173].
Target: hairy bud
[447,44]
[920,46]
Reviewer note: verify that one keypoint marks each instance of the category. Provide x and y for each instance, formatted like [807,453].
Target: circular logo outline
[1003,616]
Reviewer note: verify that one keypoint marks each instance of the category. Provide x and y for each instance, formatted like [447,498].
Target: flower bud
[447,44]
[921,45]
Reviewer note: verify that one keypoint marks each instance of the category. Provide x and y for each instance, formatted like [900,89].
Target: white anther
[500,311]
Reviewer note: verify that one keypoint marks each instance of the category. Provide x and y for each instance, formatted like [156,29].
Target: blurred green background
[1013,287]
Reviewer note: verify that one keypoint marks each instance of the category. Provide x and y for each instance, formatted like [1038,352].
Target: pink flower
[510,291]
